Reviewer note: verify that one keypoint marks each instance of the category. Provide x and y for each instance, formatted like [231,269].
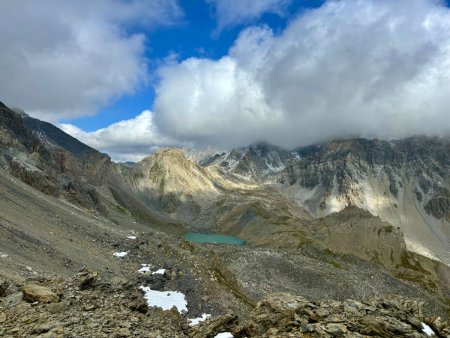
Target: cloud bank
[129,140]
[371,68]
[62,59]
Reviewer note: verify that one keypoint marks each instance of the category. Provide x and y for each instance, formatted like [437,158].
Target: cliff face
[51,161]
[405,183]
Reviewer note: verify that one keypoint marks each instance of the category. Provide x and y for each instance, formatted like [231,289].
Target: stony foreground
[84,306]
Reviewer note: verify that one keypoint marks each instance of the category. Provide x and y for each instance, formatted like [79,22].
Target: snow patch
[427,330]
[3,255]
[231,164]
[145,268]
[296,156]
[247,177]
[30,269]
[159,272]
[196,321]
[120,254]
[165,299]
[224,335]
[274,169]
[131,237]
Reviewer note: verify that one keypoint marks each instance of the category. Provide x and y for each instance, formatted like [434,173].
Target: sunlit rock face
[171,182]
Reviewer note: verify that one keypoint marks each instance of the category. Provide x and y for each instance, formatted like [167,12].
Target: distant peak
[170,152]
[166,153]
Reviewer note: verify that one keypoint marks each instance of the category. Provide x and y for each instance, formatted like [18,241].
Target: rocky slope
[324,222]
[86,306]
[46,241]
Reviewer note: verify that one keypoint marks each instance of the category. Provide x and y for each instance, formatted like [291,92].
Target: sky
[131,76]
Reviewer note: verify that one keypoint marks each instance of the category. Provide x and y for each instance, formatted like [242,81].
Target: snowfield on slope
[165,299]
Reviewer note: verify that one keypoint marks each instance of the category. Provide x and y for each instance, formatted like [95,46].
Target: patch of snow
[296,156]
[274,169]
[247,177]
[120,254]
[231,163]
[196,321]
[145,268]
[3,255]
[30,269]
[131,237]
[165,299]
[224,335]
[159,272]
[427,330]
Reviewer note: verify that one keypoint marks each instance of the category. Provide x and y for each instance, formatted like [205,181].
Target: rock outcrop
[285,315]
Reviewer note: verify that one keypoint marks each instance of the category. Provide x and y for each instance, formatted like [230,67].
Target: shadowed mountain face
[50,160]
[387,203]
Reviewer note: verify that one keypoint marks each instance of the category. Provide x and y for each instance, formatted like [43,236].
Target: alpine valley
[347,238]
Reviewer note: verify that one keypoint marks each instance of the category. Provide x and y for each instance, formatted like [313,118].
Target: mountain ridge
[65,205]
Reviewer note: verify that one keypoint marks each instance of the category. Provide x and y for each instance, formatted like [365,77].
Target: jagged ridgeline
[347,219]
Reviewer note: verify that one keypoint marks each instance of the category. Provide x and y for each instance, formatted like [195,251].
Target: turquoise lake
[198,237]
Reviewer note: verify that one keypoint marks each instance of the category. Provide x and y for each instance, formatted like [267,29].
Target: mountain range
[353,213]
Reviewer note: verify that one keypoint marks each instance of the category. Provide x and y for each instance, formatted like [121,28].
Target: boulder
[36,293]
[86,278]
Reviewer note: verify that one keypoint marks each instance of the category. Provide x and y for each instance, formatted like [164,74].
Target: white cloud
[65,58]
[235,12]
[371,68]
[129,140]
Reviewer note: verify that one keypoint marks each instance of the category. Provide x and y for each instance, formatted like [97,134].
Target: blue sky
[193,36]
[131,76]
